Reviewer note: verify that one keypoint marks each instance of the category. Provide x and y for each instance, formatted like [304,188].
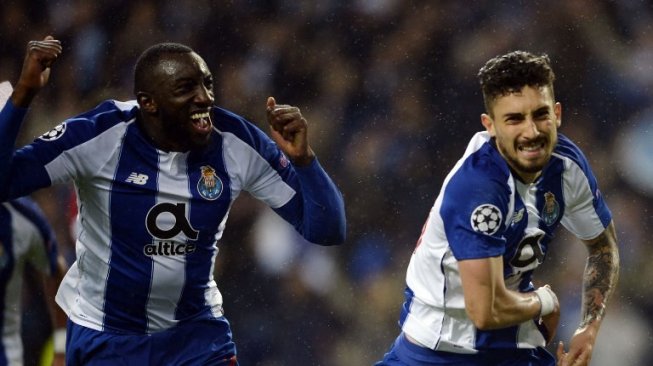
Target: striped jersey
[484,211]
[25,239]
[151,219]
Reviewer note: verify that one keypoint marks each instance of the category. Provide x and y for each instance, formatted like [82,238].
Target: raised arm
[35,74]
[36,70]
[322,208]
[599,282]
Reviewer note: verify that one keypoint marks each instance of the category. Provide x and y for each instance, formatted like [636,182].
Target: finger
[560,353]
[271,103]
[53,47]
[280,117]
[295,126]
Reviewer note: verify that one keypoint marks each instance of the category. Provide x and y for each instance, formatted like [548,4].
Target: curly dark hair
[509,73]
[150,58]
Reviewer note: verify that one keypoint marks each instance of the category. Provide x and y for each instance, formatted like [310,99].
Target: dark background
[390,92]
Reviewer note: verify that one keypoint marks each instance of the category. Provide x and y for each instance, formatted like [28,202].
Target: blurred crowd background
[390,92]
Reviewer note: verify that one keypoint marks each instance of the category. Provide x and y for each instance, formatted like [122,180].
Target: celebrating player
[470,299]
[156,178]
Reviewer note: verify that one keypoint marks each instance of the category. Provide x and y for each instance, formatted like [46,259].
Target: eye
[208,82]
[541,115]
[183,88]
[514,118]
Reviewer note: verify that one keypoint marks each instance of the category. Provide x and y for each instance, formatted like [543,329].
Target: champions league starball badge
[209,186]
[54,133]
[486,219]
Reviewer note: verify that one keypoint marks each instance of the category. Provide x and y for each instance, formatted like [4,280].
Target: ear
[146,102]
[557,109]
[488,123]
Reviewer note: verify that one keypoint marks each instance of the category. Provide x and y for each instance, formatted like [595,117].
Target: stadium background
[389,89]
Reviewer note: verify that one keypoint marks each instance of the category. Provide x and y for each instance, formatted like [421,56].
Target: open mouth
[532,149]
[201,121]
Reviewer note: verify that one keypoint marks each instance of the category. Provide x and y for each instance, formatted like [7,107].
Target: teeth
[530,147]
[200,115]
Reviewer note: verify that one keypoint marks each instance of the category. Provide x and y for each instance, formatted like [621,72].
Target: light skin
[599,281]
[525,125]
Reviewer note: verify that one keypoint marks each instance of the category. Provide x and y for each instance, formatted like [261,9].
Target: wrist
[22,96]
[547,300]
[305,160]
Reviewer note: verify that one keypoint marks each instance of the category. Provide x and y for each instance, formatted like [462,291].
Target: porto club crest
[209,185]
[551,209]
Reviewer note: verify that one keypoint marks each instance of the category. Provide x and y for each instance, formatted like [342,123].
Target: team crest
[54,133]
[209,186]
[551,209]
[486,219]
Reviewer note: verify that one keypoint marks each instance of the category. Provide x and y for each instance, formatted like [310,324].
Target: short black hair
[509,73]
[150,58]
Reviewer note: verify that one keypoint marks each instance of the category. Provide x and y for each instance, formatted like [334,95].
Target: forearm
[323,220]
[11,118]
[600,277]
[511,308]
[489,303]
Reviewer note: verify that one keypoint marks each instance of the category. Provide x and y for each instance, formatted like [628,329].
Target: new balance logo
[136,178]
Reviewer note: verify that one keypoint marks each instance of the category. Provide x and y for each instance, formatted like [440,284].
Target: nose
[531,129]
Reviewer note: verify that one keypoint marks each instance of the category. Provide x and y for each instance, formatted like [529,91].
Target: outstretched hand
[577,356]
[39,56]
[289,129]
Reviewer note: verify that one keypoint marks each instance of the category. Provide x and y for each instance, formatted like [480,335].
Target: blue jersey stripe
[210,187]
[129,278]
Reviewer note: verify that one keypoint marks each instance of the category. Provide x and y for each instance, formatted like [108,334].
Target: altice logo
[163,245]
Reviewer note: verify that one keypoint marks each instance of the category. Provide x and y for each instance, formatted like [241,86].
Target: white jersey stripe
[168,271]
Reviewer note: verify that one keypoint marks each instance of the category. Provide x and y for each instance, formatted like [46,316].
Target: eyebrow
[540,110]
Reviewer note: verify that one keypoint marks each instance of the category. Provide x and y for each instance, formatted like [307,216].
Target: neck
[154,132]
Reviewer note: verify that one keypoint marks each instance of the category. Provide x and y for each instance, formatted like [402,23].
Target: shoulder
[481,165]
[567,149]
[227,122]
[109,112]
[481,177]
[93,122]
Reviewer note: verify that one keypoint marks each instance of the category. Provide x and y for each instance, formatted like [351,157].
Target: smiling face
[525,125]
[177,102]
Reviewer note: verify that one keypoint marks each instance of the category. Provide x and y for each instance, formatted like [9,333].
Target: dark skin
[175,110]
[182,90]
[39,57]
[36,70]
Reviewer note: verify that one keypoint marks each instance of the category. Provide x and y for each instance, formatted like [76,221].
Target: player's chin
[200,140]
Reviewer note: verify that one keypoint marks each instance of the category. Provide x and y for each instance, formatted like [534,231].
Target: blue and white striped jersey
[150,219]
[25,238]
[484,211]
